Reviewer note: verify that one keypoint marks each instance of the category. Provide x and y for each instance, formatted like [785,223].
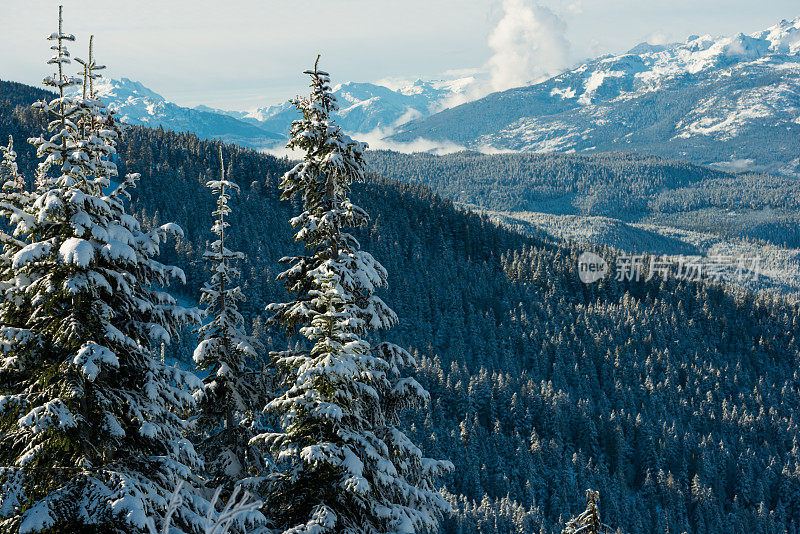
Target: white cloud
[408,116]
[378,140]
[529,44]
[660,38]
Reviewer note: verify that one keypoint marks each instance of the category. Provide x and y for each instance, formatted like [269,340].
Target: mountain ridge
[137,104]
[364,106]
[708,100]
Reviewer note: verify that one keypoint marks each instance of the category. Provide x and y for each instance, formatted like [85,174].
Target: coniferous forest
[197,337]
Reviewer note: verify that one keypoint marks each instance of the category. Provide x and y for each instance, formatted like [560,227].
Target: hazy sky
[242,54]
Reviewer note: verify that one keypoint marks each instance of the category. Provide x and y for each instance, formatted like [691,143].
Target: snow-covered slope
[732,101]
[137,104]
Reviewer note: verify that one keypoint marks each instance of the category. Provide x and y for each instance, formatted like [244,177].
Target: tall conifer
[589,521]
[231,387]
[346,466]
[91,439]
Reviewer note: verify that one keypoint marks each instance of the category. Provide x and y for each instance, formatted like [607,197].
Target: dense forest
[630,187]
[675,400]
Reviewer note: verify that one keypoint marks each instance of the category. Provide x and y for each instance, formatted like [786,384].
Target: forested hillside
[630,187]
[675,400]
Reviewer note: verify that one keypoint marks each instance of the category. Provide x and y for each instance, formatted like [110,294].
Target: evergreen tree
[231,389]
[91,439]
[97,125]
[347,467]
[13,193]
[14,198]
[89,70]
[9,171]
[589,521]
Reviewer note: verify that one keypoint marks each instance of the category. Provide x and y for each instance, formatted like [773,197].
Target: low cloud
[378,139]
[408,116]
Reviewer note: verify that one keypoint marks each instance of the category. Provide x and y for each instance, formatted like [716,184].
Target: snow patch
[77,251]
[90,358]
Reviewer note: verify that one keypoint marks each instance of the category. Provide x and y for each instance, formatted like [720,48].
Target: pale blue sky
[242,54]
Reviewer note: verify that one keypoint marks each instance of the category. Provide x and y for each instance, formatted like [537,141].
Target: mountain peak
[125,89]
[784,37]
[646,48]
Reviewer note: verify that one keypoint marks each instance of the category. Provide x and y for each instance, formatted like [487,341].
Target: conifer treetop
[589,521]
[9,162]
[89,70]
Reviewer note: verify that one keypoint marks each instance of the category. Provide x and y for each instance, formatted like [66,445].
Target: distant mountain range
[137,104]
[364,107]
[732,102]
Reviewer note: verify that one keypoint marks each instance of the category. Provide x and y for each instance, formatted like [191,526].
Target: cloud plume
[528,44]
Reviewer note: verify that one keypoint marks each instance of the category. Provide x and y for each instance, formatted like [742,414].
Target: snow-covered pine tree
[97,125]
[13,193]
[9,171]
[91,439]
[346,467]
[14,198]
[589,521]
[231,389]
[89,70]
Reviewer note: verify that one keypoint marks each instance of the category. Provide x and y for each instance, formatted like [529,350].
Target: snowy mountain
[137,104]
[365,107]
[732,102]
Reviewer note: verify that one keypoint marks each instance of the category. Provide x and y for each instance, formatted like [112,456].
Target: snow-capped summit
[434,90]
[648,48]
[713,100]
[364,107]
[784,37]
[133,102]
[126,90]
[612,76]
[137,104]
